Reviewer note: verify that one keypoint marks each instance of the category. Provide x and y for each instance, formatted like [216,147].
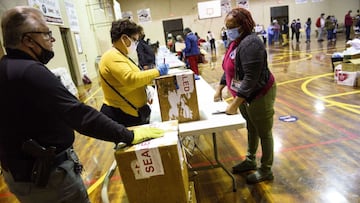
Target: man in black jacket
[39,115]
[145,53]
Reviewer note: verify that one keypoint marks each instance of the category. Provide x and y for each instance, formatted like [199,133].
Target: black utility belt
[38,171]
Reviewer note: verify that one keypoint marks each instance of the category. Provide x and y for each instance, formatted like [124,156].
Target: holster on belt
[44,158]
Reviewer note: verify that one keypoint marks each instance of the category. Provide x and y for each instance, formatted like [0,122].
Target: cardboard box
[177,97]
[349,57]
[347,78]
[155,170]
[351,65]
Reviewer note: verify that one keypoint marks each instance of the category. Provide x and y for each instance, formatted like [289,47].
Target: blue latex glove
[163,68]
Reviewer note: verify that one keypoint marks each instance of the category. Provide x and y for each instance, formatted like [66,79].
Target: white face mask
[132,48]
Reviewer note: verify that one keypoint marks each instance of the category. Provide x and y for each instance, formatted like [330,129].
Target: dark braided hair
[244,19]
[121,27]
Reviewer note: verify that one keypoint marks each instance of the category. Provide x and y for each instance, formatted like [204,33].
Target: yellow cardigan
[126,78]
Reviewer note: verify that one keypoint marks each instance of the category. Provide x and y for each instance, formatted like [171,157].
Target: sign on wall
[72,16]
[50,10]
[127,15]
[144,15]
[243,3]
[225,6]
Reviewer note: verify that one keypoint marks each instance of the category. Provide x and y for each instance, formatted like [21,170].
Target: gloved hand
[163,68]
[146,133]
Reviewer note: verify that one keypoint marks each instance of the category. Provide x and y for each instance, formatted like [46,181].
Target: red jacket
[348,20]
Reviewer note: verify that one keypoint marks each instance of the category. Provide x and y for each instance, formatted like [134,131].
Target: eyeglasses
[48,34]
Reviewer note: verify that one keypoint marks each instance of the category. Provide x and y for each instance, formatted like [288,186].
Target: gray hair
[17,21]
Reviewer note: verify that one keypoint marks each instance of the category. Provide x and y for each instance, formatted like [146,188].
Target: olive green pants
[259,122]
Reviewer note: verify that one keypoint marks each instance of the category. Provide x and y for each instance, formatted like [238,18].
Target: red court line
[5,194]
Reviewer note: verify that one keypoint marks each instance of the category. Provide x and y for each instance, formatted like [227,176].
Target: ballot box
[351,65]
[177,97]
[155,170]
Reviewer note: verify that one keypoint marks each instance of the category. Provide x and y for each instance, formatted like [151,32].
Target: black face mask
[45,56]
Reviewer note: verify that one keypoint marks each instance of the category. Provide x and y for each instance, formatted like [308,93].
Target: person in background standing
[210,38]
[334,20]
[252,85]
[307,26]
[39,115]
[329,26]
[293,29]
[192,50]
[276,30]
[179,47]
[320,24]
[285,33]
[145,53]
[224,37]
[297,30]
[270,32]
[170,41]
[348,22]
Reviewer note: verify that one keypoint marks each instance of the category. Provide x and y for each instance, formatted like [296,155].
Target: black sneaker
[244,166]
[259,176]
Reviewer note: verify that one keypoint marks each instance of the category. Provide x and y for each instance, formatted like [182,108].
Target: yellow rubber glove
[142,134]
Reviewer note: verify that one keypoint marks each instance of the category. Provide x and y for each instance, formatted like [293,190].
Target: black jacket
[35,104]
[145,54]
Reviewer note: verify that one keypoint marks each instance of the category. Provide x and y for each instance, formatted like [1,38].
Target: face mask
[233,33]
[132,48]
[45,55]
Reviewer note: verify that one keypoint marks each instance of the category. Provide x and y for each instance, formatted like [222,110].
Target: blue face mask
[233,33]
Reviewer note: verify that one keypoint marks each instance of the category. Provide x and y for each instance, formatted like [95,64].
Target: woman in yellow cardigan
[121,75]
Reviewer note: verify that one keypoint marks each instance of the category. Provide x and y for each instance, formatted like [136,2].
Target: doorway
[65,32]
[279,13]
[173,27]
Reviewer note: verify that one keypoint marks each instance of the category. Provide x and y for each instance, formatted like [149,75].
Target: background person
[253,87]
[320,24]
[35,105]
[224,37]
[348,22]
[307,27]
[179,47]
[120,74]
[271,34]
[211,40]
[192,50]
[329,26]
[145,53]
[285,33]
[293,29]
[297,30]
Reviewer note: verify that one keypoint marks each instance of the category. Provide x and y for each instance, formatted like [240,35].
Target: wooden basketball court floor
[316,156]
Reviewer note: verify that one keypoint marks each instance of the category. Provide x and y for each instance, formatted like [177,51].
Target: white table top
[209,122]
[170,58]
